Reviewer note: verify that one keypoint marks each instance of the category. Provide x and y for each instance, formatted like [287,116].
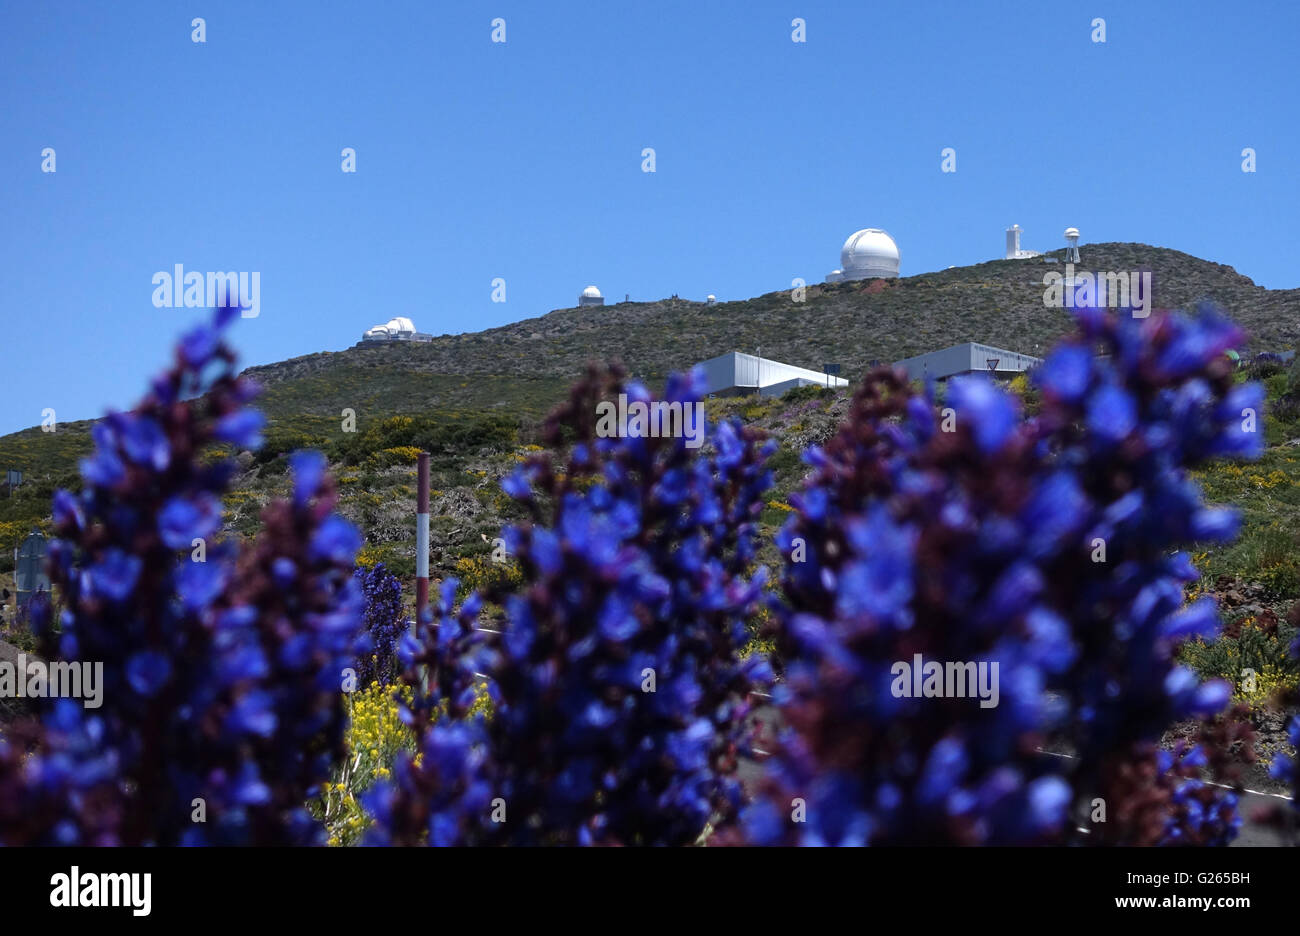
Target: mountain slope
[999,302]
[520,370]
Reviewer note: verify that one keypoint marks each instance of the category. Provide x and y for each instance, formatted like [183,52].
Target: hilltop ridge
[518,371]
[998,302]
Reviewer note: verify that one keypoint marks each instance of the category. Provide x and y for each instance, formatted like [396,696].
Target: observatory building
[396,329]
[591,297]
[736,374]
[867,254]
[968,358]
[1014,251]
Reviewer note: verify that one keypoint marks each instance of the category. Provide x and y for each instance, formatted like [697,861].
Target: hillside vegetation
[999,302]
[474,399]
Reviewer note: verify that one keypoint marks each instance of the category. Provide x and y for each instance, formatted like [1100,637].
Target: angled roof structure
[968,358]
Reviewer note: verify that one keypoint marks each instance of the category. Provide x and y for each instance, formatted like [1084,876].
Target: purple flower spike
[221,661]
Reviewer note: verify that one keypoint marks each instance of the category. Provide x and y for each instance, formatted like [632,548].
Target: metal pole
[422,536]
[421,555]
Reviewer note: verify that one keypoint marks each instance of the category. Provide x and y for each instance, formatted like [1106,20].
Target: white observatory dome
[1071,232]
[869,253]
[590,297]
[401,326]
[378,332]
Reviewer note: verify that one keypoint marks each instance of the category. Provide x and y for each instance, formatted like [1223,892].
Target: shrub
[1256,662]
[1045,547]
[398,439]
[1265,366]
[1281,579]
[221,665]
[807,392]
[483,574]
[398,455]
[375,736]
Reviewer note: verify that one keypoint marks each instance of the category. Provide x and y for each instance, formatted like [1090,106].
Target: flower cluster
[222,664]
[620,701]
[1045,547]
[383,623]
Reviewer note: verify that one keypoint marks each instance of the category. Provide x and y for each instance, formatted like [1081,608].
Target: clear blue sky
[523,160]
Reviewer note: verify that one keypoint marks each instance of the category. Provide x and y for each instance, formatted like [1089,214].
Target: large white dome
[869,253]
[400,325]
[591,292]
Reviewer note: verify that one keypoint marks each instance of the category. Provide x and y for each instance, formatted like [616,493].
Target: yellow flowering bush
[1256,663]
[481,573]
[1265,686]
[396,455]
[375,734]
[1280,578]
[369,556]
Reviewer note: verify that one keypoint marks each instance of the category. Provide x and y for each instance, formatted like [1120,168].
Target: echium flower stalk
[1123,428]
[1045,548]
[442,795]
[383,625]
[621,702]
[222,664]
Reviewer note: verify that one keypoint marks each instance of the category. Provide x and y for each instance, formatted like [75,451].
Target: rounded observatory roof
[870,252]
[591,292]
[1071,232]
[400,325]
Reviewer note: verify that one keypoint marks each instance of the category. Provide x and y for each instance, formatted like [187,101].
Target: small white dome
[869,253]
[591,292]
[379,331]
[1071,232]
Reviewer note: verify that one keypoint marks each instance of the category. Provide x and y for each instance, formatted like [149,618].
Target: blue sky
[522,160]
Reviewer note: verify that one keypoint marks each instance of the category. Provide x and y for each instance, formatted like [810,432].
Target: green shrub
[1265,656]
[1281,579]
[809,392]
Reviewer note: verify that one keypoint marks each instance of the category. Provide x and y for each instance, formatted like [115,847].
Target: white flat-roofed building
[734,374]
[968,358]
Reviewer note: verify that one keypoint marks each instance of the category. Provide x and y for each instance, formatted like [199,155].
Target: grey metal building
[968,358]
[734,374]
